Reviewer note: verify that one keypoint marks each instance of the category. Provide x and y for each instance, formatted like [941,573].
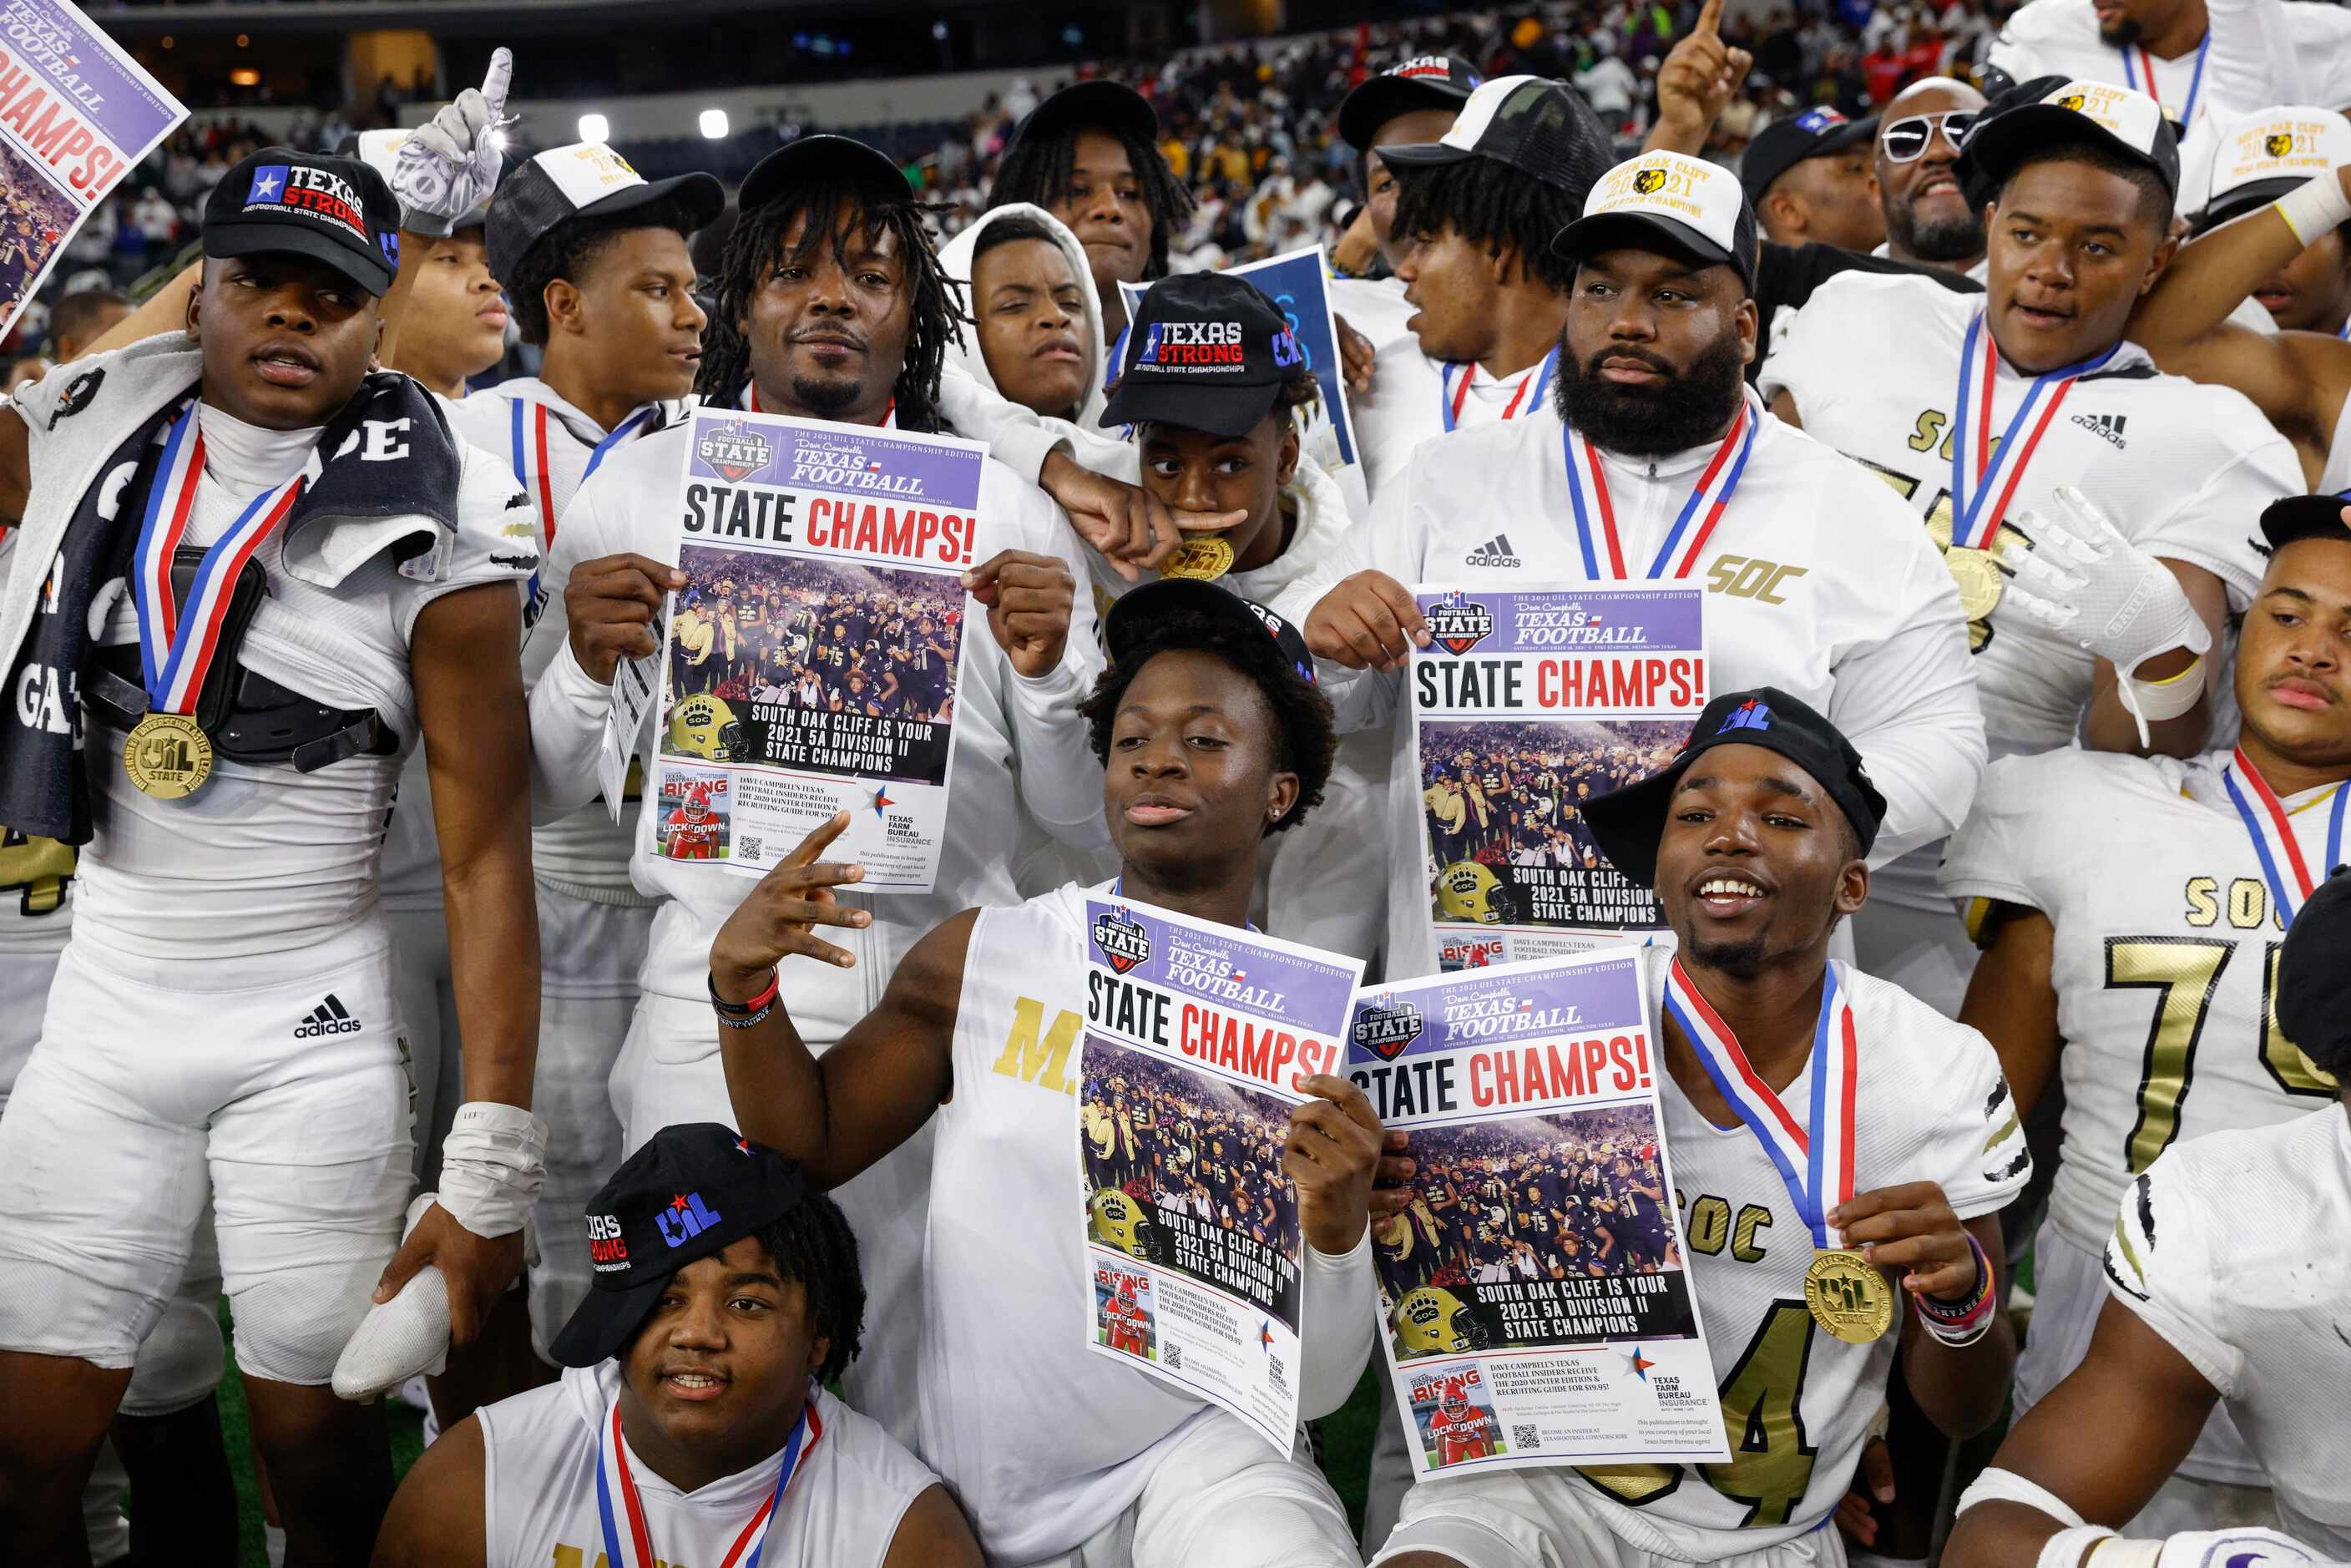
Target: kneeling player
[1212,740]
[693,1426]
[2225,1279]
[1754,840]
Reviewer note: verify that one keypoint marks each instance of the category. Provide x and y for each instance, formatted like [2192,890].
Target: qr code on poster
[1525,1435]
[1174,1356]
[747,847]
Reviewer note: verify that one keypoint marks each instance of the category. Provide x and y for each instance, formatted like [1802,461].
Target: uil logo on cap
[685,1218]
[1649,182]
[1752,714]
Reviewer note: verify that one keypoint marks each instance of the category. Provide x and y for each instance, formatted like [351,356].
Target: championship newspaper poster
[1535,1304]
[1194,1033]
[77,113]
[1526,703]
[1297,281]
[810,661]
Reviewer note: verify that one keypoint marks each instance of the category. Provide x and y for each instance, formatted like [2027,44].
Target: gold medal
[1201,557]
[168,755]
[1979,579]
[1848,1296]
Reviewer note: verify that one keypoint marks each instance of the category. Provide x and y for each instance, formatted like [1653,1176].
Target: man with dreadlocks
[726,1296]
[1089,156]
[1475,213]
[829,305]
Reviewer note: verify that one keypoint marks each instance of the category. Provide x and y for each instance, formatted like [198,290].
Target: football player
[1756,840]
[2225,1278]
[1411,103]
[831,306]
[227,909]
[1459,1432]
[2131,912]
[2085,175]
[1062,1457]
[1701,486]
[692,1424]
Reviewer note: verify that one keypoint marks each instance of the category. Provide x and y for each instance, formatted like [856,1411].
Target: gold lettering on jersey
[2249,905]
[2203,909]
[1035,1055]
[1745,1244]
[1975,571]
[1708,1225]
[1929,429]
[2247,902]
[36,870]
[1750,576]
[2293,1072]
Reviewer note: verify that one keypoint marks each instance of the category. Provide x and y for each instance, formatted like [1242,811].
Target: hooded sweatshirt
[957,257]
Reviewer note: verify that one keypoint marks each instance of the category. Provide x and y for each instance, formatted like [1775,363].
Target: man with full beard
[1927,216]
[1667,472]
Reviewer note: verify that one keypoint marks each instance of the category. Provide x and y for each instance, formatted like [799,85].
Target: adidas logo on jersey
[328,1018]
[1494,552]
[2108,428]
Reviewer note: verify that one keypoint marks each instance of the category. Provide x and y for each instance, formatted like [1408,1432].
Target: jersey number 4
[2185,973]
[36,869]
[1770,1465]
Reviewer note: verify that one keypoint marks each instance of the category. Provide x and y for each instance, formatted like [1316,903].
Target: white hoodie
[957,257]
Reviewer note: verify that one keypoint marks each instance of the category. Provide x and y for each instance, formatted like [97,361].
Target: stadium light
[713,124]
[594,128]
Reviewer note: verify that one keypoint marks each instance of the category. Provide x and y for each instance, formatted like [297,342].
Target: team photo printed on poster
[812,655]
[1195,1035]
[1538,1274]
[1525,705]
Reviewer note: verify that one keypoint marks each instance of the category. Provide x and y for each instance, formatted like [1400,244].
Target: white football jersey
[1414,398]
[266,858]
[2230,1246]
[2165,959]
[1376,307]
[1816,582]
[1929,1106]
[848,1492]
[547,444]
[2184,469]
[2335,477]
[1043,1441]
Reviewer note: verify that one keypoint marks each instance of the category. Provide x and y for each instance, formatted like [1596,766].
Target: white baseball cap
[2047,113]
[2260,156]
[1696,207]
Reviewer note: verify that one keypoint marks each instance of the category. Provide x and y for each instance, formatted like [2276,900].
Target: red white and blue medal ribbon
[527,452]
[1453,379]
[1587,491]
[1980,472]
[2283,866]
[176,642]
[627,1540]
[2138,75]
[1816,1166]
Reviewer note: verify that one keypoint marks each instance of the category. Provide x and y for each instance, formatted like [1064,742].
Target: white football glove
[448,165]
[2081,579]
[404,1336]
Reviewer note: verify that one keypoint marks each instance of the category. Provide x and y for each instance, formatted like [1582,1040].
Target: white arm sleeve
[1337,1326]
[567,707]
[2253,62]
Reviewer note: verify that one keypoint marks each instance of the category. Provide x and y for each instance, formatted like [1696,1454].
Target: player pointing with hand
[1213,742]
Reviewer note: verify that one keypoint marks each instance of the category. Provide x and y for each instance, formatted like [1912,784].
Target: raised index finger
[1709,19]
[496,81]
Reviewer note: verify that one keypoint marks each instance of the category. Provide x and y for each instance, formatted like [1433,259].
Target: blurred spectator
[82,318]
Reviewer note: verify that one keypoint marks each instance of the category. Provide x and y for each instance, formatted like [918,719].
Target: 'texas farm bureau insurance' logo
[1122,938]
[734,450]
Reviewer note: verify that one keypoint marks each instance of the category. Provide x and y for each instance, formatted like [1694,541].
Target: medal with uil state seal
[1203,557]
[1847,1296]
[1979,579]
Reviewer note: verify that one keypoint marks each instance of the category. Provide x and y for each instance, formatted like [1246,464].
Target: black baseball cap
[332,210]
[1425,81]
[2051,112]
[1099,104]
[868,172]
[583,180]
[2313,983]
[1628,823]
[694,1189]
[1785,143]
[1207,352]
[1138,610]
[2305,517]
[1531,124]
[1687,207]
